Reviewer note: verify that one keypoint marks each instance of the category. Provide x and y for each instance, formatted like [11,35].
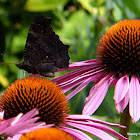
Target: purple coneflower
[33,92]
[117,63]
[20,124]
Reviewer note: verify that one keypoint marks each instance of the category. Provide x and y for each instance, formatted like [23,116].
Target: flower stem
[125,120]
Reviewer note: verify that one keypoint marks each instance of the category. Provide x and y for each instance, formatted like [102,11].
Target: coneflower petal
[89,126]
[26,117]
[79,88]
[134,93]
[86,118]
[14,126]
[77,135]
[100,91]
[75,65]
[123,103]
[92,130]
[121,88]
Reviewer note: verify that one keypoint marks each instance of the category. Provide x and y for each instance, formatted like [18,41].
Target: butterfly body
[44,53]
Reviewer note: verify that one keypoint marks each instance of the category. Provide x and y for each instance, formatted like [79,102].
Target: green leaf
[93,7]
[133,5]
[43,5]
[3,81]
[19,40]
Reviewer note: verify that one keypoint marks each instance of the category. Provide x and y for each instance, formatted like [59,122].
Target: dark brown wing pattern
[44,52]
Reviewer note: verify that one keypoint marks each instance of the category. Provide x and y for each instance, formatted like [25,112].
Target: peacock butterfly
[44,52]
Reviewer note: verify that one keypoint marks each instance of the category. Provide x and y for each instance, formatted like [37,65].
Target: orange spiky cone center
[25,94]
[119,48]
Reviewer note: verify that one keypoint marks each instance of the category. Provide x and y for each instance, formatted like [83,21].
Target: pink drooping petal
[92,130]
[86,82]
[70,75]
[97,79]
[86,69]
[93,62]
[37,126]
[113,83]
[4,125]
[1,115]
[134,93]
[123,103]
[76,134]
[89,118]
[16,119]
[98,95]
[26,127]
[26,117]
[20,128]
[75,65]
[21,124]
[97,126]
[121,88]
[16,137]
[68,81]
[75,82]
[71,83]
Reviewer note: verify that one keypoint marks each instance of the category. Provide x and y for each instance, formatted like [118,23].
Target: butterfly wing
[44,52]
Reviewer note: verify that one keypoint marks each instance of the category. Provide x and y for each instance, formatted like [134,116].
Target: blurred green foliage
[79,23]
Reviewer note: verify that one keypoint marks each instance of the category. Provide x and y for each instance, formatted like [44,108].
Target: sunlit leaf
[93,7]
[43,5]
[3,81]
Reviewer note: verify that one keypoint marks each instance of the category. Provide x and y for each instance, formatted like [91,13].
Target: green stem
[125,120]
